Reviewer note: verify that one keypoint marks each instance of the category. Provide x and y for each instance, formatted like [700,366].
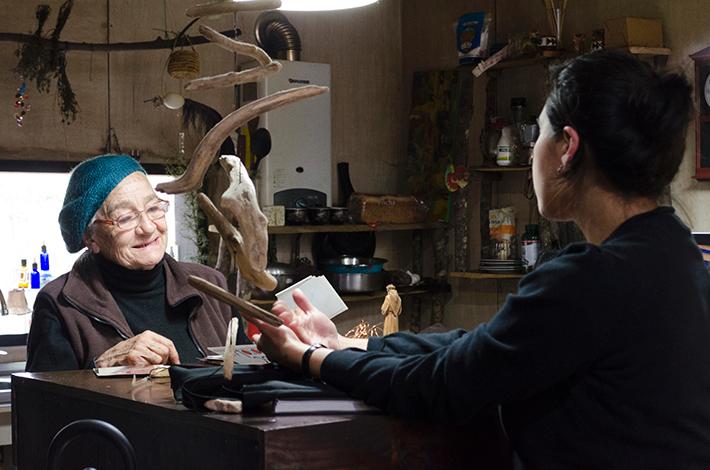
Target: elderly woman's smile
[130,228]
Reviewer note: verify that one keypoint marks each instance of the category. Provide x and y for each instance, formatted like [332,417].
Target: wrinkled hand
[310,324]
[145,349]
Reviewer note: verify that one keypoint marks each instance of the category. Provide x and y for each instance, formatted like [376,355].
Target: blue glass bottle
[34,277]
[44,259]
[45,274]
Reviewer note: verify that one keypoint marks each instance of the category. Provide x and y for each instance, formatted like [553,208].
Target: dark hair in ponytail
[631,119]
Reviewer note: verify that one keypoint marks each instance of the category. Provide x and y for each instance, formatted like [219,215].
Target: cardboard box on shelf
[629,31]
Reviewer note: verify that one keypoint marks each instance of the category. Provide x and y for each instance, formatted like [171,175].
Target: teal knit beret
[90,184]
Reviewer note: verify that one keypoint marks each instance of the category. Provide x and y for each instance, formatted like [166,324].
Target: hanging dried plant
[42,61]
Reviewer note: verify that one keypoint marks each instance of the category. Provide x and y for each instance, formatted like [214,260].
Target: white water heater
[297,170]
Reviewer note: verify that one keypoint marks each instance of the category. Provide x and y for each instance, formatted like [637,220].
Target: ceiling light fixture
[322,5]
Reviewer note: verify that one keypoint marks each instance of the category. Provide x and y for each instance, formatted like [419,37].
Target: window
[30,203]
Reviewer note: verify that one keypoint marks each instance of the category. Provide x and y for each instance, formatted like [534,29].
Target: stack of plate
[491,265]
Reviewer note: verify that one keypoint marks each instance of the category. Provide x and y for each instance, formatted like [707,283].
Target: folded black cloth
[254,385]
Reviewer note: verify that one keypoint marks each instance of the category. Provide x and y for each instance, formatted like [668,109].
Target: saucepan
[349,274]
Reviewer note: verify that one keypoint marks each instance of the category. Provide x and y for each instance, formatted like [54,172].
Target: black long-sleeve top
[601,360]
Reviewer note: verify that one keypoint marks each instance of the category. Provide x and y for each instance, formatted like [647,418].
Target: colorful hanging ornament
[21,105]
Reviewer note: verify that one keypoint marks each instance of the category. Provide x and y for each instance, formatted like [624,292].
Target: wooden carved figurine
[391,308]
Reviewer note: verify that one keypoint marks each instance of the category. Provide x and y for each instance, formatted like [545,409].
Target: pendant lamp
[322,5]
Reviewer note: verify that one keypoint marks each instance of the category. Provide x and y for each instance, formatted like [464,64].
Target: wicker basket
[184,64]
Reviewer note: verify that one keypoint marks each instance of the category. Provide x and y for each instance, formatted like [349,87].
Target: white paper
[126,371]
[319,292]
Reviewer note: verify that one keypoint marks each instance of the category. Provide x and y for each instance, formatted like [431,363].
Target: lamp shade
[321,5]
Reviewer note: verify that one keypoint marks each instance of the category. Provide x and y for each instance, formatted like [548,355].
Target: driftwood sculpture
[245,245]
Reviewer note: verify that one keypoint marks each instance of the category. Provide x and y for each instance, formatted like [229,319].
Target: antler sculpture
[247,246]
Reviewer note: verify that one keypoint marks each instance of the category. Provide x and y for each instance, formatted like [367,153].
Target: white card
[319,292]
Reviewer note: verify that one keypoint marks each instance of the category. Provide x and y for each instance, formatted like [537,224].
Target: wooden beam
[157,43]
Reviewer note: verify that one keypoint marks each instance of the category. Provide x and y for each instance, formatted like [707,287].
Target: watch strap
[306,358]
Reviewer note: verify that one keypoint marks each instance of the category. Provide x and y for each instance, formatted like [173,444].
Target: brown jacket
[93,322]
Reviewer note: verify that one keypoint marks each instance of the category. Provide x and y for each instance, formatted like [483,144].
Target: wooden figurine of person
[391,308]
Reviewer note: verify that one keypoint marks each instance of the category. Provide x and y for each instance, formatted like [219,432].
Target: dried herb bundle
[42,61]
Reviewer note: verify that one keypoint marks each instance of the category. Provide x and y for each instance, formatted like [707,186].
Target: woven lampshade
[184,64]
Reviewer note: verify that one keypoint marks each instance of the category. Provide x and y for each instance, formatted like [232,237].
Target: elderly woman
[125,301]
[601,359]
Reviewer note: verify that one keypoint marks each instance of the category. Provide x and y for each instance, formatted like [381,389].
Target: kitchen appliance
[297,170]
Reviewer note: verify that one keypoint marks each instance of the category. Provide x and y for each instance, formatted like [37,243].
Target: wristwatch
[305,359]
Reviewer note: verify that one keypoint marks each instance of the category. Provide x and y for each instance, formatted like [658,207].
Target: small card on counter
[244,354]
[129,371]
[319,291]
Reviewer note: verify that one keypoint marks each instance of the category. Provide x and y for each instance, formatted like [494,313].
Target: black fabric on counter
[141,297]
[601,360]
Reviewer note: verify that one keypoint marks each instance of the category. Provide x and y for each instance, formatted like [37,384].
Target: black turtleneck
[140,296]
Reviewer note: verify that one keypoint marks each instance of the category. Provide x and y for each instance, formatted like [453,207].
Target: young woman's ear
[571,139]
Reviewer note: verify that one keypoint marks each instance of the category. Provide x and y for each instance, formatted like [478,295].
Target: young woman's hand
[308,323]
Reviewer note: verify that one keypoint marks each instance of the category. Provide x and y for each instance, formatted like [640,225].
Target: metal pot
[354,283]
[319,215]
[338,215]
[296,216]
[285,277]
[350,274]
[352,264]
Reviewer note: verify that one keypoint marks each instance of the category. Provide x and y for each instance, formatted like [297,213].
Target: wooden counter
[167,435]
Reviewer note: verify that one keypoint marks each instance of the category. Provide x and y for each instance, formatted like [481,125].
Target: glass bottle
[34,277]
[530,246]
[518,114]
[44,274]
[23,281]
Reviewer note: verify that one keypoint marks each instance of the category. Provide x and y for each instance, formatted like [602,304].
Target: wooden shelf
[647,50]
[542,59]
[359,297]
[287,229]
[475,275]
[500,169]
[521,62]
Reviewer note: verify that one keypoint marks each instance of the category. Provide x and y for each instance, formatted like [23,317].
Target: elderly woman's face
[142,247]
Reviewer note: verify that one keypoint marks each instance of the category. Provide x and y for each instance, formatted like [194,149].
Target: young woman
[601,359]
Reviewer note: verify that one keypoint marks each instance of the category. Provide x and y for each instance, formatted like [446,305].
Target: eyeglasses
[132,219]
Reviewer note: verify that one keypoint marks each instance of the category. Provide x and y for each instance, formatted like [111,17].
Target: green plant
[194,218]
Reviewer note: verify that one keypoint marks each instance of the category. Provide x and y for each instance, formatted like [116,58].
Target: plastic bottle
[34,277]
[504,156]
[531,246]
[44,275]
[23,281]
